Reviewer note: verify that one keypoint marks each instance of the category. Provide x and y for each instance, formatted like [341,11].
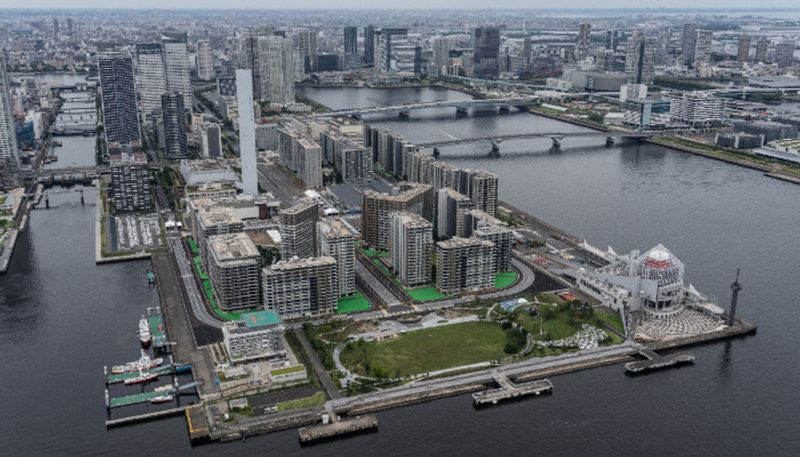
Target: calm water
[62,317]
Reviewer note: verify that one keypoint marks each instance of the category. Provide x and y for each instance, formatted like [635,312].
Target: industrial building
[376,207]
[301,287]
[410,248]
[257,336]
[464,264]
[234,265]
[130,178]
[336,240]
[298,226]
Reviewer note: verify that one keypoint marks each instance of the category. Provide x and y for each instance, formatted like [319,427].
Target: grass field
[351,304]
[307,402]
[610,318]
[505,279]
[425,294]
[428,350]
[552,323]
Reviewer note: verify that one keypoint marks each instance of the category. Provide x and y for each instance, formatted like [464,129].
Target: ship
[144,331]
[143,376]
[165,397]
[144,363]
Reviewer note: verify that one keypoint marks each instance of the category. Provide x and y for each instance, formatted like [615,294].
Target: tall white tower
[247,131]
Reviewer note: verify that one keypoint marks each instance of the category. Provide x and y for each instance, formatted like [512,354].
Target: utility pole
[735,288]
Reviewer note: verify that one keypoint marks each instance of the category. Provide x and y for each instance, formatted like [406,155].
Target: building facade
[205,60]
[301,287]
[376,207]
[234,265]
[174,118]
[118,96]
[410,248]
[176,65]
[151,77]
[298,226]
[9,154]
[464,264]
[336,240]
[130,178]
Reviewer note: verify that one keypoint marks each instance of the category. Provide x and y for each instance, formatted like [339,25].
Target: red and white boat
[144,363]
[144,331]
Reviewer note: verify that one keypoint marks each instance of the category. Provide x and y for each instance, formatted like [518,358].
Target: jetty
[653,361]
[337,427]
[508,390]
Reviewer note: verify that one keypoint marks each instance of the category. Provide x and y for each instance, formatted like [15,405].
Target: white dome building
[662,286]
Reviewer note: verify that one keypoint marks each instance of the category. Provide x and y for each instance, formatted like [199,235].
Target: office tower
[393,50]
[451,208]
[205,60]
[612,38]
[464,264]
[298,226]
[56,28]
[743,53]
[234,265]
[176,65]
[9,154]
[441,55]
[336,240]
[130,177]
[663,45]
[118,96]
[481,187]
[784,54]
[350,43]
[410,246]
[70,25]
[688,43]
[369,45]
[761,50]
[276,69]
[301,287]
[151,77]
[307,47]
[640,58]
[702,49]
[584,41]
[376,207]
[174,118]
[247,131]
[486,45]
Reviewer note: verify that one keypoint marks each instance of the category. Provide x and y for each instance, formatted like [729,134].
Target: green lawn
[307,402]
[428,350]
[429,293]
[193,245]
[610,318]
[351,304]
[555,322]
[505,279]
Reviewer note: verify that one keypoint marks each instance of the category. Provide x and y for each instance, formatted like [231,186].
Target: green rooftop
[261,318]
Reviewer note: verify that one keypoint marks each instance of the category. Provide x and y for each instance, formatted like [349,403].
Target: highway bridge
[555,136]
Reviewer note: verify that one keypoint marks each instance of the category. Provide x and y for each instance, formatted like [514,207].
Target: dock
[196,422]
[338,428]
[509,390]
[121,377]
[145,417]
[653,361]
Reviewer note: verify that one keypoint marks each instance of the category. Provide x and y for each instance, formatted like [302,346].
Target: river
[62,317]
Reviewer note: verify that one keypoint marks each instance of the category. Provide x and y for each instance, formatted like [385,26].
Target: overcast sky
[311,4]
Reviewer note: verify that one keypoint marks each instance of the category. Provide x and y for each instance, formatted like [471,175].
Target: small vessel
[143,376]
[167,395]
[144,331]
[144,363]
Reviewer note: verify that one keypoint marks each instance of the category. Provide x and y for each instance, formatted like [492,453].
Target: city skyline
[310,5]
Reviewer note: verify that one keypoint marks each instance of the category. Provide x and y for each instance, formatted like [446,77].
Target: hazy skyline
[384,4]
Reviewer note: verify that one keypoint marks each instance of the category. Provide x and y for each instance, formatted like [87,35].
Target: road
[187,277]
[322,373]
[386,296]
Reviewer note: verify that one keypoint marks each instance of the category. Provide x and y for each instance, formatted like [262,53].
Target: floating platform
[156,323]
[509,390]
[340,427]
[121,377]
[143,397]
[655,361]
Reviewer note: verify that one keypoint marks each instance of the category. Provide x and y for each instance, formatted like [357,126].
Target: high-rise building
[151,77]
[481,187]
[176,65]
[451,207]
[784,54]
[174,118]
[247,131]
[376,207]
[56,28]
[205,60]
[307,46]
[130,177]
[743,53]
[301,155]
[640,58]
[369,45]
[351,160]
[9,154]
[276,69]
[441,56]
[118,96]
[211,140]
[688,43]
[336,240]
[298,227]
[762,47]
[301,287]
[502,238]
[486,45]
[702,49]
[464,264]
[410,248]
[697,109]
[234,265]
[207,219]
[584,41]
[350,40]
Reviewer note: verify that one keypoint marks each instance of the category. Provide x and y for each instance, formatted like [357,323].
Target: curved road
[187,278]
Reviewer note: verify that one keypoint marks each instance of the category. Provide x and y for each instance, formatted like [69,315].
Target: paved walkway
[319,368]
[187,278]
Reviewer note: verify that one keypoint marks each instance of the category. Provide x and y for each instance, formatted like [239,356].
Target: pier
[653,361]
[145,417]
[337,428]
[509,390]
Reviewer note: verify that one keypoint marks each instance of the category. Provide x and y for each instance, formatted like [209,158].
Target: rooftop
[261,318]
[458,242]
[232,246]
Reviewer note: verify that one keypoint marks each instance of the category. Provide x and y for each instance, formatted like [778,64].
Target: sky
[439,4]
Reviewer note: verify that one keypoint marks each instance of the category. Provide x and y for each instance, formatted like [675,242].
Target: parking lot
[134,232]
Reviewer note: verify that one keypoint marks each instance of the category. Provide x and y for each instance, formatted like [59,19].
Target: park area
[352,304]
[432,349]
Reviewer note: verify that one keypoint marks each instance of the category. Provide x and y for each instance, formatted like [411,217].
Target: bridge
[555,136]
[71,175]
[460,105]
